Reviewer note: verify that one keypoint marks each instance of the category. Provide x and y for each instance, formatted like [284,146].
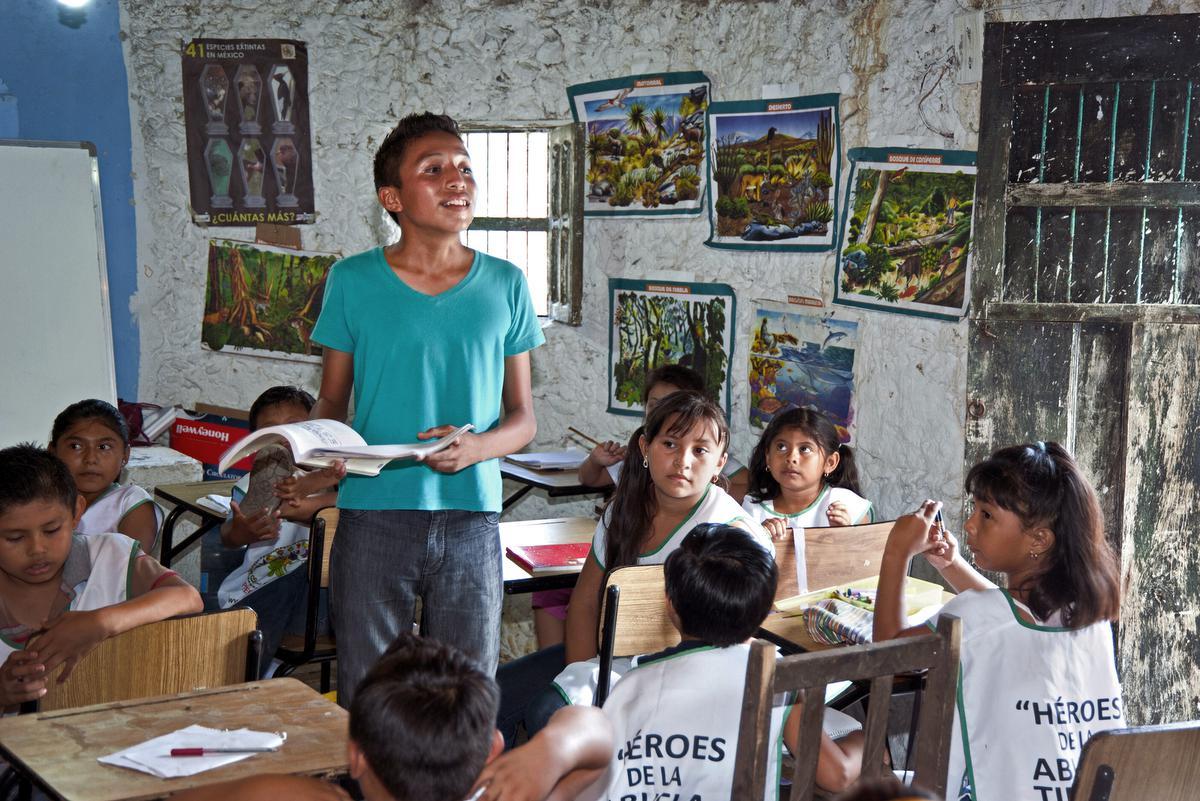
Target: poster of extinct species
[245,112]
[652,323]
[773,171]
[802,358]
[906,243]
[262,300]
[645,143]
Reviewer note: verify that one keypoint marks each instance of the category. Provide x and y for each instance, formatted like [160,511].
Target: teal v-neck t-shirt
[422,361]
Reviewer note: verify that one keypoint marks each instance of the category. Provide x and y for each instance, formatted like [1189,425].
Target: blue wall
[70,85]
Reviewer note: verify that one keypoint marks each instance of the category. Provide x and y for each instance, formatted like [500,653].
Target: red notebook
[541,560]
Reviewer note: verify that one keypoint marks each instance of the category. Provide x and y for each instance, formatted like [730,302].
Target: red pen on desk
[195,752]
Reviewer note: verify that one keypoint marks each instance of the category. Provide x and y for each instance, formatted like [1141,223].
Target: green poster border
[829,99]
[954,158]
[640,285]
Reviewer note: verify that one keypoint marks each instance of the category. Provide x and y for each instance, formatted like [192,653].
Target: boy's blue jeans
[383,560]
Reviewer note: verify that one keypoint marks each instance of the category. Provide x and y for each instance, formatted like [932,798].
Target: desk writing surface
[61,748]
[550,531]
[556,480]
[187,494]
[790,629]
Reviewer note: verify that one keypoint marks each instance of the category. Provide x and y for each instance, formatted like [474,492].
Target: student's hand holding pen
[607,453]
[944,549]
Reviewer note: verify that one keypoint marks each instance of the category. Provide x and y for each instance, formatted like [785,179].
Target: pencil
[579,433]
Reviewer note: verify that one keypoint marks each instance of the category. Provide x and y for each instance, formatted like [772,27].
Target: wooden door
[1083,327]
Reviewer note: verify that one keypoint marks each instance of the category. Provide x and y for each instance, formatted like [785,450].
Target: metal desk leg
[516,496]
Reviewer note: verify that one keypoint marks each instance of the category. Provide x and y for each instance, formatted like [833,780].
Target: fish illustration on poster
[905,245]
[773,168]
[645,143]
[802,358]
[653,323]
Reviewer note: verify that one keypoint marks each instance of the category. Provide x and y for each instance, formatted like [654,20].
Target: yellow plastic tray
[918,593]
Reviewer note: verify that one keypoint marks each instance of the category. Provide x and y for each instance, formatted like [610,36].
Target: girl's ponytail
[845,475]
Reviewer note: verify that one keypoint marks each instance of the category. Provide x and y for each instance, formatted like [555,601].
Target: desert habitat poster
[802,359]
[262,300]
[644,145]
[773,170]
[906,243]
[652,323]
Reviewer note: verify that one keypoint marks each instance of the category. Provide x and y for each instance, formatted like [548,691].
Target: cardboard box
[207,433]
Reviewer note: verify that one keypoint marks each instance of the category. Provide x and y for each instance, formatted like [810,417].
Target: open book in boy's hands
[319,443]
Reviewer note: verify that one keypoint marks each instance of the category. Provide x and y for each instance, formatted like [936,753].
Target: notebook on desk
[549,460]
[547,560]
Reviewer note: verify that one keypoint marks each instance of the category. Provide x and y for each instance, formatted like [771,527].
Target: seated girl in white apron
[1037,672]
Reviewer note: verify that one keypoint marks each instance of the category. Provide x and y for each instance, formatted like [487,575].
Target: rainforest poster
[652,323]
[263,300]
[906,243]
[773,169]
[644,143]
[802,359]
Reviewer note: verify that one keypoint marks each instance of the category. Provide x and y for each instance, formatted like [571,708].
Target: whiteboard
[54,321]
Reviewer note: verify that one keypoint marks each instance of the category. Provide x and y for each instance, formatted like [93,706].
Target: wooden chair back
[171,656]
[833,555]
[633,617]
[937,654]
[327,520]
[1157,762]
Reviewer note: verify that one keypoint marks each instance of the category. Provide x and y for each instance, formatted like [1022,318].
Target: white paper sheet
[154,756]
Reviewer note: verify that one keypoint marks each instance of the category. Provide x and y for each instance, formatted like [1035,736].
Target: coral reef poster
[263,300]
[245,115]
[645,143]
[802,359]
[906,243]
[652,323]
[773,168]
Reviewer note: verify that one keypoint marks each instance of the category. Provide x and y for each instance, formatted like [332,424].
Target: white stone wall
[372,61]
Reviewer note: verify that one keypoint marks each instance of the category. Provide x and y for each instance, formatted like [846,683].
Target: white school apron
[1029,697]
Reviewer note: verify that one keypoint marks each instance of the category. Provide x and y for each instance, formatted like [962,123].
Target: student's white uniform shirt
[676,717]
[104,515]
[577,682]
[816,515]
[264,562]
[98,572]
[1029,697]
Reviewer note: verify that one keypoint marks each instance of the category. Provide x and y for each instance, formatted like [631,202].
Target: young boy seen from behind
[676,713]
[422,728]
[61,593]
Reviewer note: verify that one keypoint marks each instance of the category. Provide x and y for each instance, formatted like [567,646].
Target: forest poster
[802,359]
[773,171]
[906,241]
[263,300]
[652,323]
[645,143]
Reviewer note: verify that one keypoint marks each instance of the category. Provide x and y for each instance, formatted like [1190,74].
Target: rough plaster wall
[374,60]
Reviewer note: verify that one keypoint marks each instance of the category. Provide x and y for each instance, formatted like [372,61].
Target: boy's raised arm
[337,380]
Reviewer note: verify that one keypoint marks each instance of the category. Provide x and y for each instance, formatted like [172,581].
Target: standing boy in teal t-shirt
[430,335]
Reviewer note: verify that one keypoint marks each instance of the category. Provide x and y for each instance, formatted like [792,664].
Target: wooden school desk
[58,750]
[542,532]
[555,483]
[183,497]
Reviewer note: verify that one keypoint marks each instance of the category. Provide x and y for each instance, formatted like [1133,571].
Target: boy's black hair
[29,473]
[391,150]
[280,394]
[677,375]
[424,717]
[91,409]
[887,788]
[721,583]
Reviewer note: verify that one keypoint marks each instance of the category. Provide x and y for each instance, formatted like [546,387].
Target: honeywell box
[207,433]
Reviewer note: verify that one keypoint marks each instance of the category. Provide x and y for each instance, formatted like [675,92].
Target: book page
[300,437]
